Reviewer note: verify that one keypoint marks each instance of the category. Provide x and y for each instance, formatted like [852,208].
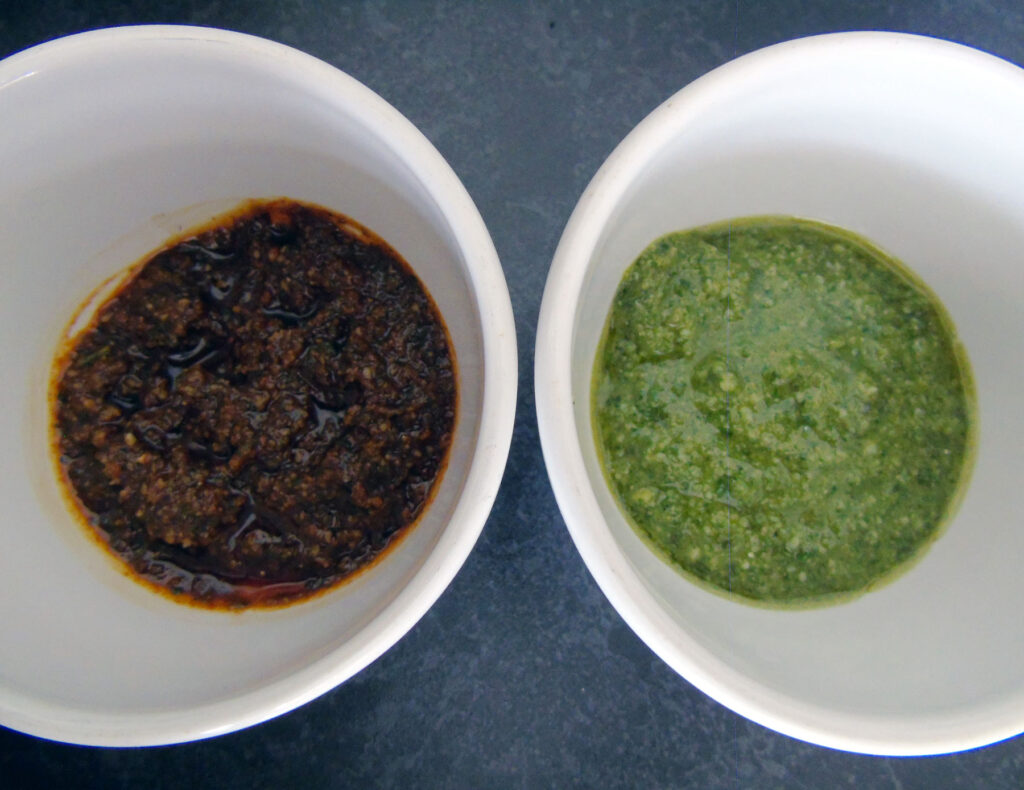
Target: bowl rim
[58,722]
[896,736]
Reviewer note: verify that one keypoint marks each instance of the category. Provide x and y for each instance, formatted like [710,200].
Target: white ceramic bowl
[916,144]
[112,142]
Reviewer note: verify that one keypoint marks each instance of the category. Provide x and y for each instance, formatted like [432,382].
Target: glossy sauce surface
[260,410]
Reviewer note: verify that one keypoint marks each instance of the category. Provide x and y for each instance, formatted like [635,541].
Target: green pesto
[781,409]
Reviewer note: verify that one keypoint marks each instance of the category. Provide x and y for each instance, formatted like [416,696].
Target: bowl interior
[114,144]
[915,145]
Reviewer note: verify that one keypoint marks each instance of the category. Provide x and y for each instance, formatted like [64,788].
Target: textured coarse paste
[781,409]
[261,410]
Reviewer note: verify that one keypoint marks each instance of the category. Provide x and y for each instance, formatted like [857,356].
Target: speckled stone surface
[522,675]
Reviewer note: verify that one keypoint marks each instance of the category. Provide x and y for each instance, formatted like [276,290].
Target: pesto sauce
[781,409]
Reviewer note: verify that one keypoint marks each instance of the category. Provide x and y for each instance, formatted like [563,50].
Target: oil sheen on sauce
[260,410]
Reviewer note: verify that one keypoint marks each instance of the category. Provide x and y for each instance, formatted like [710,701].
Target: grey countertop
[522,675]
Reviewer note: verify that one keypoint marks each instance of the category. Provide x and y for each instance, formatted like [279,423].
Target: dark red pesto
[260,410]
